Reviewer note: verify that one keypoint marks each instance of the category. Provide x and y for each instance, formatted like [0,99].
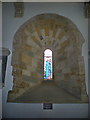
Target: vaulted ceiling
[19,11]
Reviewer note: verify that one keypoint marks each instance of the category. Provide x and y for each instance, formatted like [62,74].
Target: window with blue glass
[48,65]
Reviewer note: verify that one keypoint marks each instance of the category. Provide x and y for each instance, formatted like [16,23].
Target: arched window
[48,64]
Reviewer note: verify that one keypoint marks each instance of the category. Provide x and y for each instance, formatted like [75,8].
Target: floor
[47,92]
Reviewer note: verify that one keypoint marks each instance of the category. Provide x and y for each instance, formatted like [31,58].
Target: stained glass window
[47,64]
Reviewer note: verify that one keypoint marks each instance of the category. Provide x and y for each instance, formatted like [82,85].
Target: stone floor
[47,92]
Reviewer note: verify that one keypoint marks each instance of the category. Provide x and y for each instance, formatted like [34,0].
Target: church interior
[45,59]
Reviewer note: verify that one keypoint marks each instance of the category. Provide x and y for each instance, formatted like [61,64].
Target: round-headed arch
[62,37]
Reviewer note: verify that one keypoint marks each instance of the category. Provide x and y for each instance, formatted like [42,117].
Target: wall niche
[62,37]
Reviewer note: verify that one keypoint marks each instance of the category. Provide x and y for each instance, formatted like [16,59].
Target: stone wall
[59,34]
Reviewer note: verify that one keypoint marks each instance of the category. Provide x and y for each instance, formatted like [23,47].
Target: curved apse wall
[59,34]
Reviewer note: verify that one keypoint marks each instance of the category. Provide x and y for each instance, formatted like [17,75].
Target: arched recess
[60,35]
